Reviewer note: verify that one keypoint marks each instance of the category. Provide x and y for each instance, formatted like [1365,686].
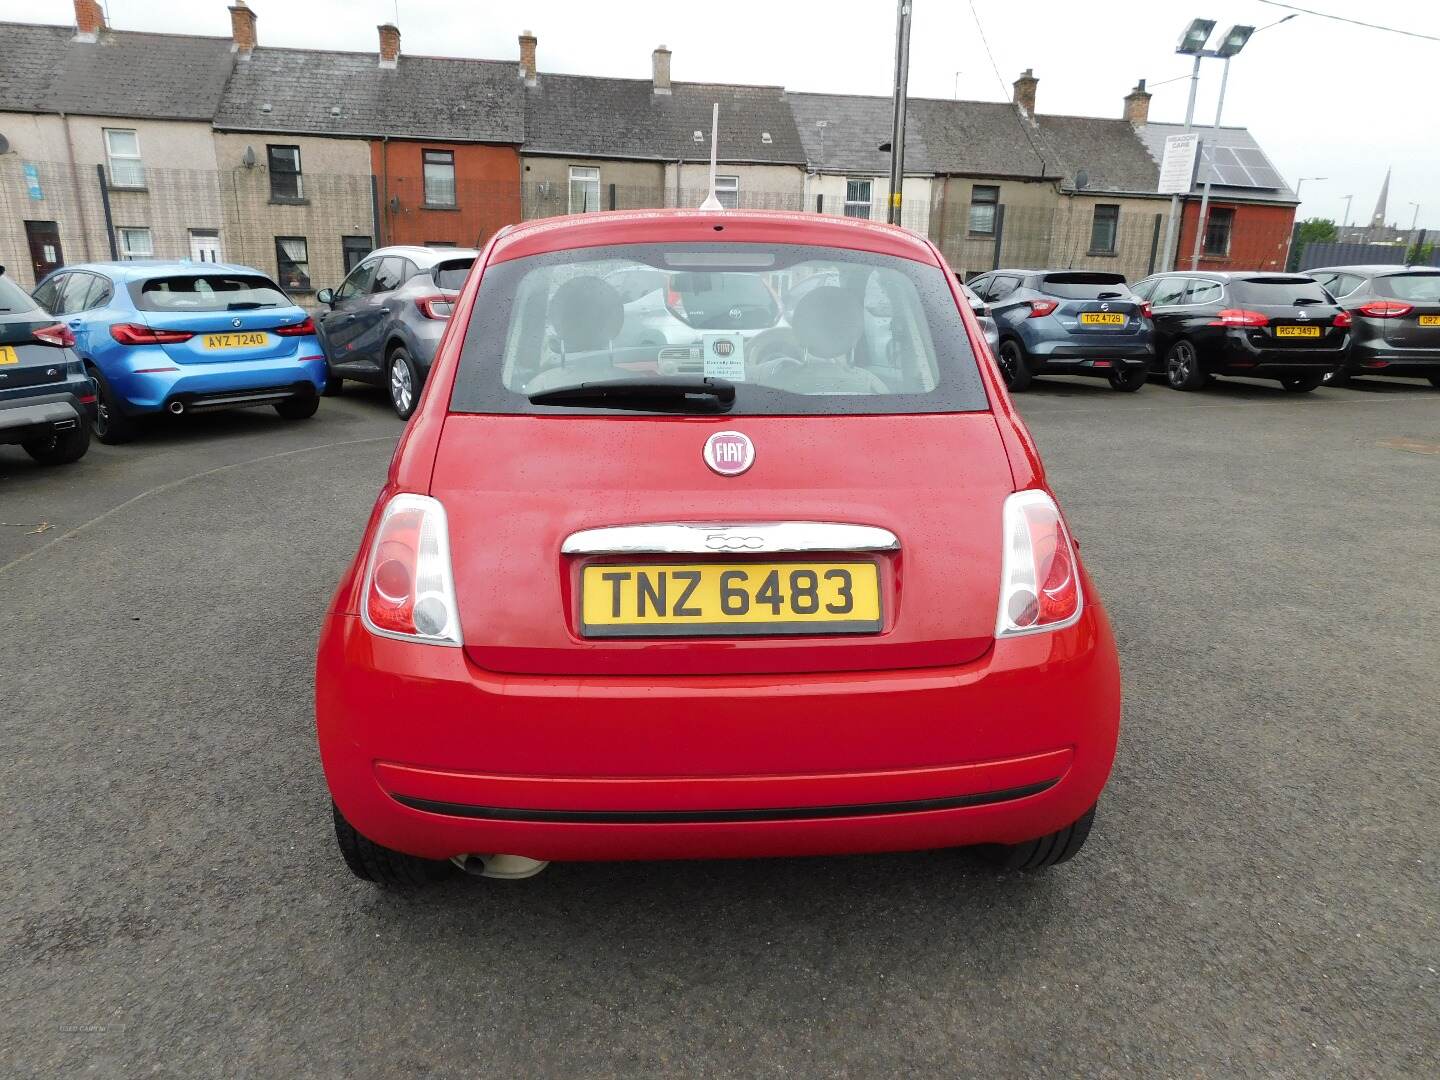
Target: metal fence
[1336,254]
[311,230]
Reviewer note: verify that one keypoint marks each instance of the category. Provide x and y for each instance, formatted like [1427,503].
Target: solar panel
[1240,166]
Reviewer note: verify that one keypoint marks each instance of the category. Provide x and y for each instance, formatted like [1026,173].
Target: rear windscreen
[796,329]
[1416,288]
[208,292]
[14,299]
[1278,292]
[1078,286]
[452,274]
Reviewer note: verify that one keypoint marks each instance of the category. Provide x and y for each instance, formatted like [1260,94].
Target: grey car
[387,317]
[1395,320]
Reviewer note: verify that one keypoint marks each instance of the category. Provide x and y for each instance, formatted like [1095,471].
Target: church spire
[1377,219]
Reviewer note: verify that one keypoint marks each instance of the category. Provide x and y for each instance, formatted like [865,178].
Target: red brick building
[1238,235]
[437,192]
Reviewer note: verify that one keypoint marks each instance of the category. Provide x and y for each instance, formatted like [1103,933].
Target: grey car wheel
[1182,367]
[1013,366]
[404,383]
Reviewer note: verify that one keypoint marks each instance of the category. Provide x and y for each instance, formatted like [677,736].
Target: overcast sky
[1324,99]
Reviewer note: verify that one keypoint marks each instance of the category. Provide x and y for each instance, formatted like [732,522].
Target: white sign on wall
[1177,167]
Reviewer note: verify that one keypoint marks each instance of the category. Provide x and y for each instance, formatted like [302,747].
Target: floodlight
[1192,42]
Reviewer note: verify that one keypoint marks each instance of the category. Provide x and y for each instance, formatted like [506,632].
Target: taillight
[135,334]
[1239,317]
[1385,309]
[1040,575]
[58,334]
[440,306]
[299,329]
[409,587]
[1039,308]
[675,303]
[1146,309]
[1342,321]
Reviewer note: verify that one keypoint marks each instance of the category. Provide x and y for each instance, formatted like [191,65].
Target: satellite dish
[248,158]
[1082,180]
[4,145]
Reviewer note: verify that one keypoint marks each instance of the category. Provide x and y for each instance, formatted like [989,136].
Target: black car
[1256,325]
[46,400]
[1067,322]
[1396,319]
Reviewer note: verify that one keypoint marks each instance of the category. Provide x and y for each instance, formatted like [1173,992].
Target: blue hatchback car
[185,337]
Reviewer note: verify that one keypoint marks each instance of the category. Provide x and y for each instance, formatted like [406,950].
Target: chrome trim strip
[729,538]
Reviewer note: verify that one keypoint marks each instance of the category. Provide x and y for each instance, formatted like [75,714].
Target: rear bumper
[1378,358]
[428,754]
[1234,350]
[1055,356]
[152,391]
[23,419]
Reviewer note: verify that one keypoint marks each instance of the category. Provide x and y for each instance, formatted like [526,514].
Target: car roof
[426,256]
[143,269]
[1233,275]
[1377,269]
[607,227]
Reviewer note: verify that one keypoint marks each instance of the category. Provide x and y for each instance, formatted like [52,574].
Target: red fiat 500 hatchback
[714,534]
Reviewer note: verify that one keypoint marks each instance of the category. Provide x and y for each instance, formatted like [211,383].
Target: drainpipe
[75,191]
[380,241]
[679,168]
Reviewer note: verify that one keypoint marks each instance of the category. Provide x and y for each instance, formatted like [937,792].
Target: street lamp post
[1230,46]
[1347,199]
[1301,183]
[1192,43]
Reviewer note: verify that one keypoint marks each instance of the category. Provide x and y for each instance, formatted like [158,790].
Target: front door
[45,253]
[204,245]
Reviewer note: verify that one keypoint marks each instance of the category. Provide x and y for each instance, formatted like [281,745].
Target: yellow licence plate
[8,355]
[1297,331]
[1102,318]
[729,599]
[251,340]
[1430,320]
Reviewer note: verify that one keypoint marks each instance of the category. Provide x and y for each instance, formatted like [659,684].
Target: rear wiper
[1307,300]
[677,393]
[1109,295]
[246,305]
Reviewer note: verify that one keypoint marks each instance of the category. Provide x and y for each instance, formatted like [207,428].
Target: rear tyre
[403,380]
[62,447]
[333,383]
[1302,384]
[112,427]
[1434,381]
[1182,367]
[298,408]
[383,866]
[1044,852]
[1014,366]
[1127,380]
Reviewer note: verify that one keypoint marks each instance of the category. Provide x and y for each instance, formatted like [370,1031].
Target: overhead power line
[1024,129]
[1352,22]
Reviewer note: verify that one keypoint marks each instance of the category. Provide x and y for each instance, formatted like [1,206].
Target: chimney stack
[527,57]
[1137,105]
[1025,91]
[242,30]
[660,60]
[89,20]
[389,45]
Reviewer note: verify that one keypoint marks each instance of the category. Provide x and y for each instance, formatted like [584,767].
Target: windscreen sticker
[725,357]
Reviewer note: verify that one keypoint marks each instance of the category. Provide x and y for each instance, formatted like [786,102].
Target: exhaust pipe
[177,407]
[503,867]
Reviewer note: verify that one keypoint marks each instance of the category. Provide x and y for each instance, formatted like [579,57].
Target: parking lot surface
[1260,895]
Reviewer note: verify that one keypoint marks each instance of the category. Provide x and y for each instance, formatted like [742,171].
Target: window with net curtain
[292,260]
[983,200]
[439,166]
[122,154]
[584,189]
[1103,229]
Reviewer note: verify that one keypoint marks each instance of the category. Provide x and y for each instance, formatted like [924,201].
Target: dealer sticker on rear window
[725,357]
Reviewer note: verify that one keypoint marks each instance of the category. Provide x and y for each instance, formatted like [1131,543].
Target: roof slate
[588,116]
[154,76]
[424,97]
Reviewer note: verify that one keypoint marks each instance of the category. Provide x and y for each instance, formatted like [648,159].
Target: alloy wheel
[1181,362]
[402,392]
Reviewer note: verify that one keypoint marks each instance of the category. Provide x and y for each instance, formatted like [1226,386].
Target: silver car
[386,319]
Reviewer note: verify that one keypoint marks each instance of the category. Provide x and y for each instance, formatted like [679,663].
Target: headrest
[828,321]
[587,313]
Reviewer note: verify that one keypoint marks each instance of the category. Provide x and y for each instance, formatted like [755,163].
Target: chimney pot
[1025,91]
[528,43]
[242,29]
[661,65]
[1137,104]
[89,20]
[389,45]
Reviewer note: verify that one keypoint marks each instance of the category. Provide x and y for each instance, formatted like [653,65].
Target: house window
[292,261]
[983,201]
[1217,231]
[122,152]
[584,189]
[285,182]
[353,249]
[1103,228]
[205,245]
[439,177]
[857,198]
[727,190]
[135,243]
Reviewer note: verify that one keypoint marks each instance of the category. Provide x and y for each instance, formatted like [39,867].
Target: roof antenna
[712,201]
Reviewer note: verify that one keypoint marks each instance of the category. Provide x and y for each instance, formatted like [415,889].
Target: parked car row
[101,346]
[1302,330]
